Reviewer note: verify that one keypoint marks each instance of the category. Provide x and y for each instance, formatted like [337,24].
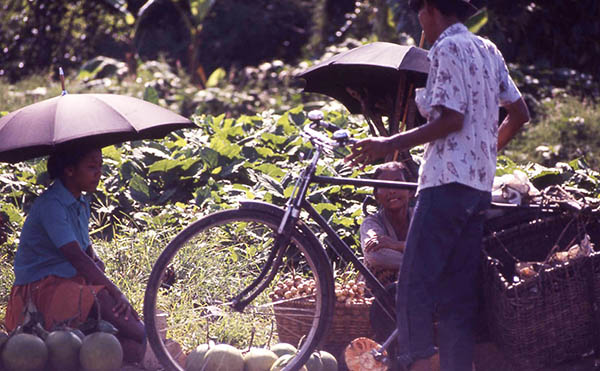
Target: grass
[568,128]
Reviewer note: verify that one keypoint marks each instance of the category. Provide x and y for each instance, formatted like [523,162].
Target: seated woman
[56,268]
[383,234]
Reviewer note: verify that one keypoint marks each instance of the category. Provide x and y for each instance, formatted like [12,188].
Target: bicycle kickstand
[378,354]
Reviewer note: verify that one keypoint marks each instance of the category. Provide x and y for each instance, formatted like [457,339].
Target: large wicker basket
[549,318]
[349,322]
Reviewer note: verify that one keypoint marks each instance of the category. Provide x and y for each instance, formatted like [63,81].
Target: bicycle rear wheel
[214,259]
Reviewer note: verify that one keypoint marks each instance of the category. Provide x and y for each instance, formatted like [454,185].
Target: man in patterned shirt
[467,82]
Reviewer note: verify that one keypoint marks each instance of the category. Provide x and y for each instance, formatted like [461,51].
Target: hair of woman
[60,160]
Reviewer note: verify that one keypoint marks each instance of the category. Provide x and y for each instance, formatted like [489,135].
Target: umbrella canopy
[374,67]
[82,119]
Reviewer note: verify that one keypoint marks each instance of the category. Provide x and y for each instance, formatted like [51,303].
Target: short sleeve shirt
[55,219]
[468,75]
[380,225]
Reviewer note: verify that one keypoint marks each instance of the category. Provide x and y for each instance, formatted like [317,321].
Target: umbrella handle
[421,42]
[61,74]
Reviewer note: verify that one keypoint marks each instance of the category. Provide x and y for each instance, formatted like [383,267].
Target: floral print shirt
[468,75]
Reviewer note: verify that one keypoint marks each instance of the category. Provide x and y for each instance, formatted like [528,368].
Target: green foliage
[547,33]
[567,129]
[237,32]
[42,35]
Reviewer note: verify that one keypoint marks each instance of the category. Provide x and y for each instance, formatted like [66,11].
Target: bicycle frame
[298,202]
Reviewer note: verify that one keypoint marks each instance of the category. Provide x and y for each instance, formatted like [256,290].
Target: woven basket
[549,318]
[349,322]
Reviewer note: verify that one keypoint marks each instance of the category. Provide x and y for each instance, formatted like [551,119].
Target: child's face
[86,174]
[392,199]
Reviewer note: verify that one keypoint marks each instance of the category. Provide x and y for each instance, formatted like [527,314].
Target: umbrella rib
[119,113]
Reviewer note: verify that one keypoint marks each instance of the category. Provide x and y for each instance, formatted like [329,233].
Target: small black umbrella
[375,68]
[75,120]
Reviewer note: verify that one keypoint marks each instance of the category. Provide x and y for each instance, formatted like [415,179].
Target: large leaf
[225,148]
[139,188]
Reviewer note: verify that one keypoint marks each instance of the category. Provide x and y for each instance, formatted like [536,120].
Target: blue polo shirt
[55,219]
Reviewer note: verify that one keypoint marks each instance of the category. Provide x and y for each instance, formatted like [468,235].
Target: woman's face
[392,199]
[86,174]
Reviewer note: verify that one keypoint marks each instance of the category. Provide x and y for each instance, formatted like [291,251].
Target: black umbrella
[75,120]
[374,69]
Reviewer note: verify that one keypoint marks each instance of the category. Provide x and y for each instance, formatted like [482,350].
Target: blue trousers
[440,272]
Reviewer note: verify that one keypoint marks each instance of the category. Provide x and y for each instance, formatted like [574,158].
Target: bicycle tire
[194,312]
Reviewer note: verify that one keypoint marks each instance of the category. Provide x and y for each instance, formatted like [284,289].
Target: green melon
[63,350]
[224,357]
[101,351]
[78,332]
[259,359]
[283,348]
[24,352]
[283,361]
[314,362]
[329,361]
[195,359]
[3,339]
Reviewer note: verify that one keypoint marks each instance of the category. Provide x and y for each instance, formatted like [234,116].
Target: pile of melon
[64,350]
[225,357]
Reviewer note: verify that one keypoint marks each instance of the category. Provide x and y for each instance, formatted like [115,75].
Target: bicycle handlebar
[339,138]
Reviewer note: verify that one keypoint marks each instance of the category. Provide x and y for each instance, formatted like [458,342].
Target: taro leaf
[113,153]
[12,212]
[210,157]
[322,206]
[274,138]
[164,165]
[546,178]
[129,169]
[344,221]
[285,123]
[271,170]
[297,116]
[264,151]
[251,154]
[231,168]
[139,189]
[225,148]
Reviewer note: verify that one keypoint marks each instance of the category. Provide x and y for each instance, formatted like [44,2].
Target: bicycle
[257,245]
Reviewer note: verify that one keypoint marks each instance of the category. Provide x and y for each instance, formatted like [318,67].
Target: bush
[42,35]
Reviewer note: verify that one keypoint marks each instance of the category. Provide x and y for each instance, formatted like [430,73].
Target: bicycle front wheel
[188,299]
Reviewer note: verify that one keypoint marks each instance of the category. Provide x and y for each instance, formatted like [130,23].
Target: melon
[329,361]
[3,339]
[224,357]
[24,352]
[78,332]
[101,351]
[283,361]
[63,350]
[314,362]
[259,359]
[283,348]
[195,359]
